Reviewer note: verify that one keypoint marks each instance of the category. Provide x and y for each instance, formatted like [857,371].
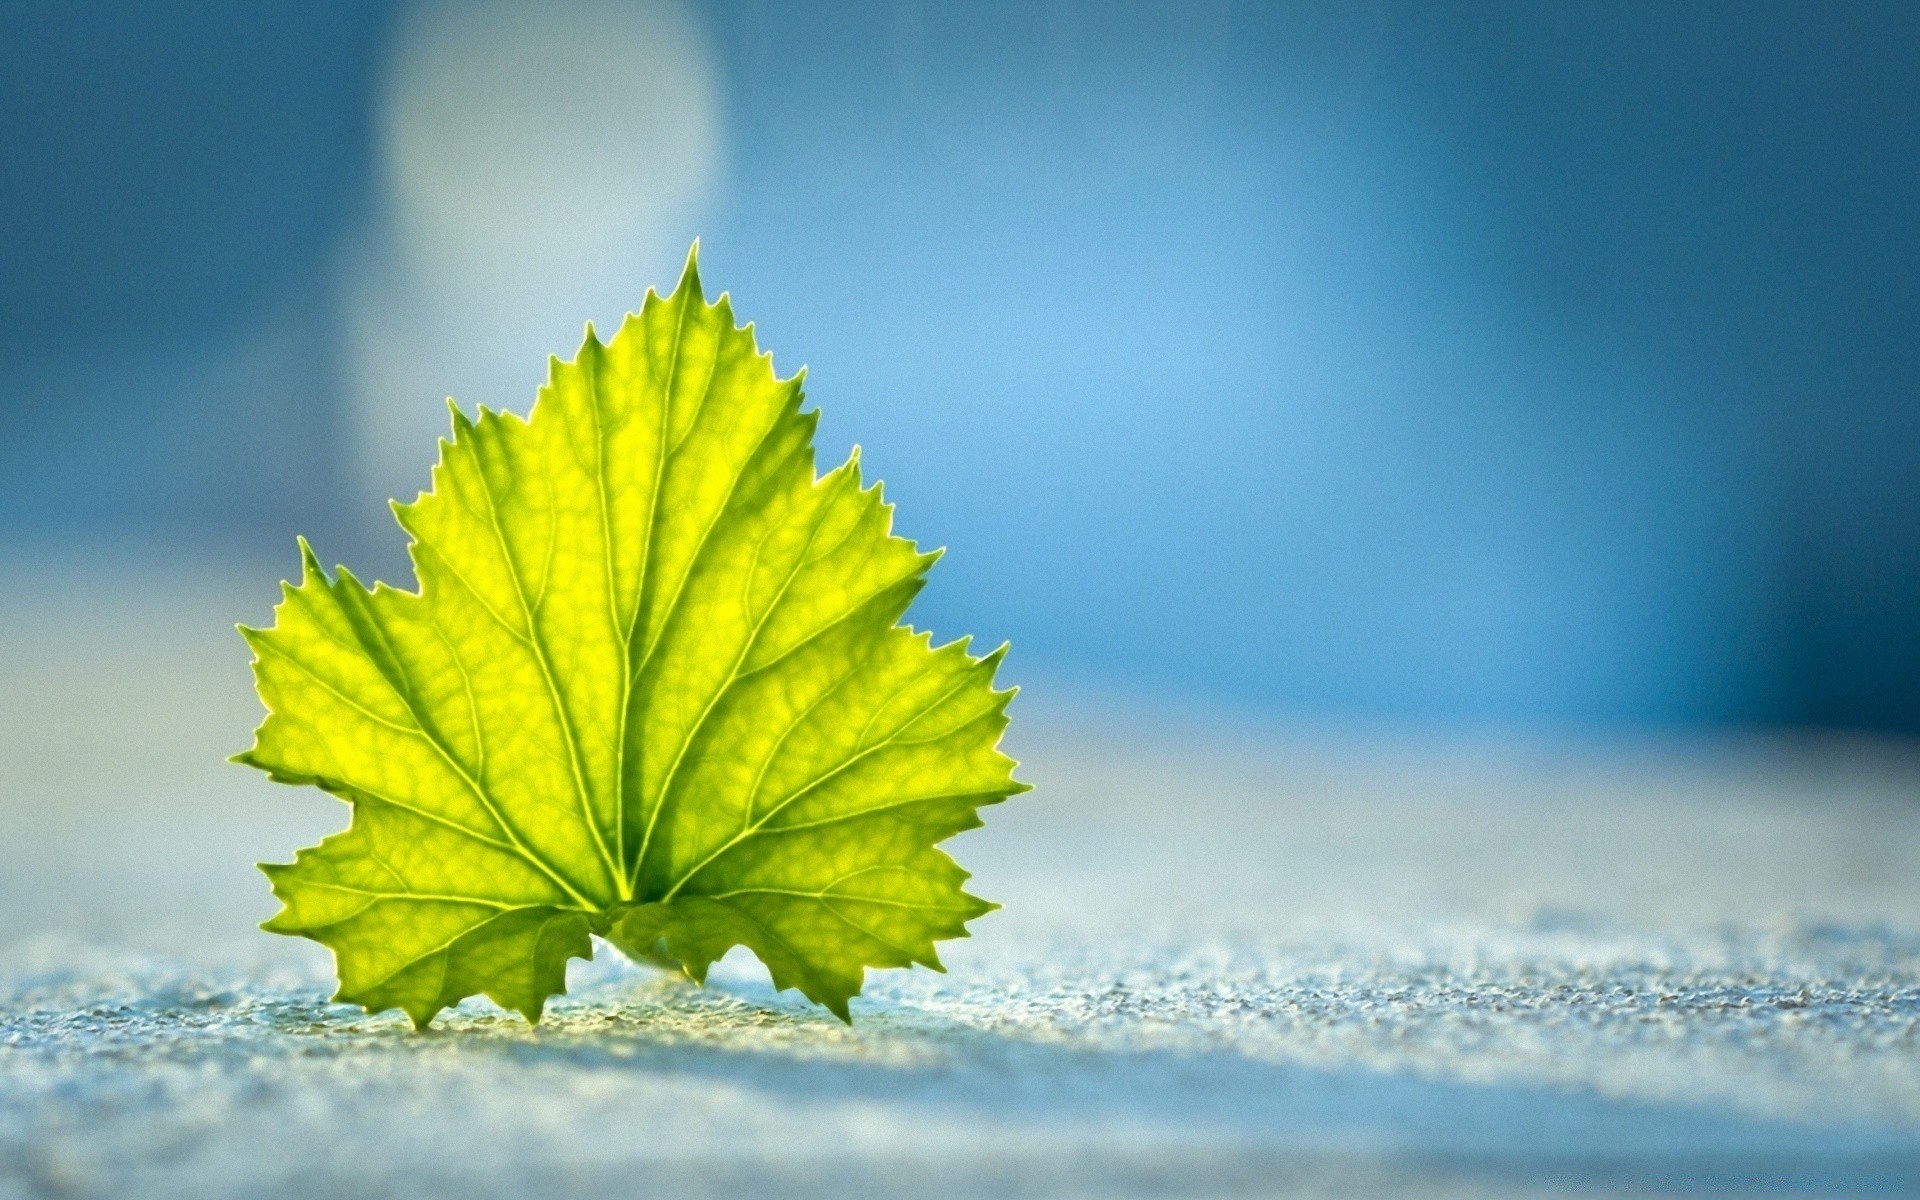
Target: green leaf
[652,687]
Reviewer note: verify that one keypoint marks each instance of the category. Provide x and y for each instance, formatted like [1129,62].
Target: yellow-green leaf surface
[652,686]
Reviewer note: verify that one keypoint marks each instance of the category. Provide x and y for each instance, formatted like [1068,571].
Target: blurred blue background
[1484,363]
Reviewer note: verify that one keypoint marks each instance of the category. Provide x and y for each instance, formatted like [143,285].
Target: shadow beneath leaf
[1192,1110]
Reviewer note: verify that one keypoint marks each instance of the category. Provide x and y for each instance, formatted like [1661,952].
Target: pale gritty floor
[1266,960]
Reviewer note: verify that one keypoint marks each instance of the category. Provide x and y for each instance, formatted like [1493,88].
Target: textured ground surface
[1263,962]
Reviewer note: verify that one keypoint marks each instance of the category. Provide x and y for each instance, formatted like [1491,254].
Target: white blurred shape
[541,166]
[525,141]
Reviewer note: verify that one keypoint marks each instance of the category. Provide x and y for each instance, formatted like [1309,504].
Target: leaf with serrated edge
[652,687]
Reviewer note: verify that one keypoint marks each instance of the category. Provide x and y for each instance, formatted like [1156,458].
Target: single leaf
[652,687]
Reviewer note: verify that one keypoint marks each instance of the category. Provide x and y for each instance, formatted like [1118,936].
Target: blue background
[1466,362]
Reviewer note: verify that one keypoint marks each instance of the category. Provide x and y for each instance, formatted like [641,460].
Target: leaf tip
[690,274]
[309,561]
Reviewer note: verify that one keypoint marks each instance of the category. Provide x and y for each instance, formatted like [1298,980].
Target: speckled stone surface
[1236,959]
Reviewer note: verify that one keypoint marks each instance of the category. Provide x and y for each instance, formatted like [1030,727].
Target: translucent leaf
[652,686]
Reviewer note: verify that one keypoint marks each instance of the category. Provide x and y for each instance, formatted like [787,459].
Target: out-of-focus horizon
[1476,363]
